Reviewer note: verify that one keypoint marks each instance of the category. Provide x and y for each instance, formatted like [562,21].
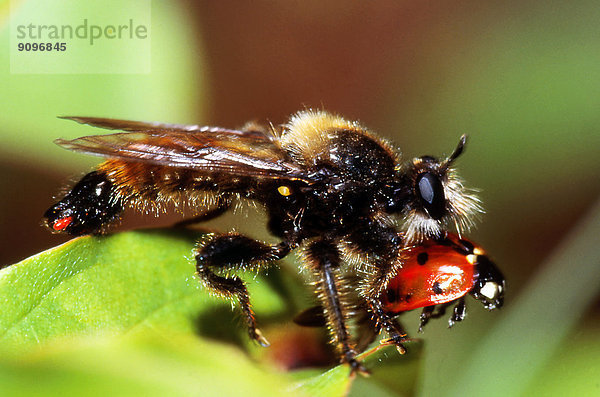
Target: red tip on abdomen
[62,223]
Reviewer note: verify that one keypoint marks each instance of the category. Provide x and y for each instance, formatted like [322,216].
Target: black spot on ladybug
[408,297]
[422,258]
[437,289]
[391,295]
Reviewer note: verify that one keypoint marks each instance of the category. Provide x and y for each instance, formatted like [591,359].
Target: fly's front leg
[395,332]
[324,260]
[376,285]
[379,248]
[236,252]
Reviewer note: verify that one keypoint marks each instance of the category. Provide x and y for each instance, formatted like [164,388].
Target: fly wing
[140,126]
[204,149]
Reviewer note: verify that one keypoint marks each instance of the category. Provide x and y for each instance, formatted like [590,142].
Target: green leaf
[392,375]
[117,284]
[116,309]
[181,366]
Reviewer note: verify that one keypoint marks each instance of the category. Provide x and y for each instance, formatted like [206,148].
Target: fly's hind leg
[233,251]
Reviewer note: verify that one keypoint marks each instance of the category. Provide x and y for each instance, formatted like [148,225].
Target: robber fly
[330,188]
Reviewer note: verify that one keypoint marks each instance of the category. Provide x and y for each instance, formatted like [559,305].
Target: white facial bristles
[419,225]
[464,207]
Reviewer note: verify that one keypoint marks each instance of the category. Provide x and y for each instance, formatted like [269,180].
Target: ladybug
[439,273]
[435,274]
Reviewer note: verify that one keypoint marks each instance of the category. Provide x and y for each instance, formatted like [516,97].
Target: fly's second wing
[206,150]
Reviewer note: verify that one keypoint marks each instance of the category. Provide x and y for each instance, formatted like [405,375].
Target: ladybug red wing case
[440,273]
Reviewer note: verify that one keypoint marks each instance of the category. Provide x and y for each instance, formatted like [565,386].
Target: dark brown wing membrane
[205,149]
[141,126]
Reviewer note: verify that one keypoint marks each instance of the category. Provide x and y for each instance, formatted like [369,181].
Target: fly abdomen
[157,184]
[90,205]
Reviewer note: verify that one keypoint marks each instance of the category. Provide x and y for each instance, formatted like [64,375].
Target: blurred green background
[522,78]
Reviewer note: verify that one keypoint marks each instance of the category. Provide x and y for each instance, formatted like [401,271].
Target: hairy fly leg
[381,248]
[229,252]
[324,260]
[91,205]
[376,285]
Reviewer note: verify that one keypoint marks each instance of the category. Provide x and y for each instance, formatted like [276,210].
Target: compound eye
[431,193]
